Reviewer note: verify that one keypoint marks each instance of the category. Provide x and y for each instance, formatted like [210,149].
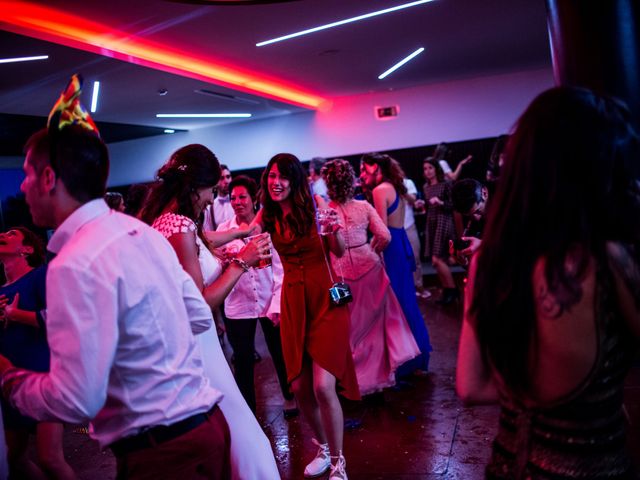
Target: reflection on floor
[419,432]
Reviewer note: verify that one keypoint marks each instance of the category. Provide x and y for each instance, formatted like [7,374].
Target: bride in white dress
[185,187]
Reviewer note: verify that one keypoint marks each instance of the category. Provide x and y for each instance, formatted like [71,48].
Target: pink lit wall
[452,111]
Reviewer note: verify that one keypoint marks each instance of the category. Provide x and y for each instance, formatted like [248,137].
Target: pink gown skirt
[380,337]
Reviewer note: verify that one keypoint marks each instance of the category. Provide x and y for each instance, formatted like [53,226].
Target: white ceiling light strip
[401,63]
[94,97]
[23,59]
[203,115]
[342,22]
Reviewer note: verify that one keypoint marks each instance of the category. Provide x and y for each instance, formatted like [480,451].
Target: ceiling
[462,39]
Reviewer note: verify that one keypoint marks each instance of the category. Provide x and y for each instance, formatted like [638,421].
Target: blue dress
[25,346]
[400,265]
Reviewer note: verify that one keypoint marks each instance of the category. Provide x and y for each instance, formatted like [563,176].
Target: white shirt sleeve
[278,275]
[82,331]
[411,187]
[199,312]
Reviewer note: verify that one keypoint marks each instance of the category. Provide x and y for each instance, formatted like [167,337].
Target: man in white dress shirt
[220,210]
[121,313]
[412,233]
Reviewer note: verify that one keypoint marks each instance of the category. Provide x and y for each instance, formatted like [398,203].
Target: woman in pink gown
[380,337]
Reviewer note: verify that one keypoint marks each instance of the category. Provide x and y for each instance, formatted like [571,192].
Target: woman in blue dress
[383,176]
[23,340]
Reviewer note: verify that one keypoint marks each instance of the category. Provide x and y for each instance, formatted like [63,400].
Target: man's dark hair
[80,160]
[114,199]
[136,195]
[465,194]
[316,164]
[224,167]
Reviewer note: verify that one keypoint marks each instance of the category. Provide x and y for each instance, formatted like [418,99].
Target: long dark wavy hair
[189,168]
[570,184]
[389,168]
[302,215]
[340,178]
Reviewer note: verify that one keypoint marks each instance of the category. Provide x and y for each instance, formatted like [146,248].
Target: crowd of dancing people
[123,326]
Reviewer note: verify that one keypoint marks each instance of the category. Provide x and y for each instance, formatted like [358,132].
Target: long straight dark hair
[440,178]
[569,185]
[389,168]
[302,215]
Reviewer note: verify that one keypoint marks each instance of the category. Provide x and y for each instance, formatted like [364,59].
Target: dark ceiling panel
[15,130]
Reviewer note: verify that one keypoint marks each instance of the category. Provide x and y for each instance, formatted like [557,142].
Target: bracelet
[241,263]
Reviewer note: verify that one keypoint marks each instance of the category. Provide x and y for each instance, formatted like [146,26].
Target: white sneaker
[338,471]
[321,463]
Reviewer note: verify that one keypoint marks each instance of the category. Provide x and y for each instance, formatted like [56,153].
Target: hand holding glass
[327,219]
[257,250]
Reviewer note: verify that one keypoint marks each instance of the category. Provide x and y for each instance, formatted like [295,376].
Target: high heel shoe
[449,295]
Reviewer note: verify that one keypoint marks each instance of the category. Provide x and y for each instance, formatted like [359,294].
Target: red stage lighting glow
[59,27]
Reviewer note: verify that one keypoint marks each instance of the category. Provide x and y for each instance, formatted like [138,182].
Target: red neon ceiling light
[59,27]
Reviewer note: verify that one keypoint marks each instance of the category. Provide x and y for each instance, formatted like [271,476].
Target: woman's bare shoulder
[384,189]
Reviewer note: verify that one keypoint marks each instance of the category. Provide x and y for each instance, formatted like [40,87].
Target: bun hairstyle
[189,169]
[340,178]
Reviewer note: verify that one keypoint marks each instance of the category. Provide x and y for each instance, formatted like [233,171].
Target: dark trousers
[201,453]
[241,334]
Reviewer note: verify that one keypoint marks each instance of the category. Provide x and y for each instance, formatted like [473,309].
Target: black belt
[159,434]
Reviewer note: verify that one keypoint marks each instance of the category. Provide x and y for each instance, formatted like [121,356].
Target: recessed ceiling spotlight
[327,53]
[401,63]
[203,115]
[23,59]
[94,97]
[343,22]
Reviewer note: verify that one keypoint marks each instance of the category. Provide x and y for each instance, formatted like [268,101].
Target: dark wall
[15,211]
[411,159]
